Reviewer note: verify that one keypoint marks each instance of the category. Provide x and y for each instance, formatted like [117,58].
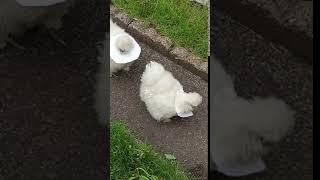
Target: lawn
[131,160]
[183,21]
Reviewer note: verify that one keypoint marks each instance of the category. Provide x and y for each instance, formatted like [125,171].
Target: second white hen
[124,48]
[163,94]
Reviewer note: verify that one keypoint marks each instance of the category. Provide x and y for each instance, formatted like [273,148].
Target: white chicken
[238,126]
[123,49]
[164,95]
[18,15]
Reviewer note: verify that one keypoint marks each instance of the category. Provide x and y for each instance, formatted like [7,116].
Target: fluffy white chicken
[238,126]
[18,15]
[163,94]
[123,49]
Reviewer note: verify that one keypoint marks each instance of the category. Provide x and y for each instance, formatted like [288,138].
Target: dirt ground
[48,124]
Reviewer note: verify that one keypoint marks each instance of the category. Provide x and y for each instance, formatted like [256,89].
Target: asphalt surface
[262,68]
[48,125]
[186,139]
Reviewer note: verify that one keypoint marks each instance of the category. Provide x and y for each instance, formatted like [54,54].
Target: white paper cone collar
[120,58]
[236,170]
[184,115]
[179,111]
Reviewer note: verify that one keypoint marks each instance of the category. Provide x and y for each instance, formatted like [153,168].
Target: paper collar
[178,110]
[120,58]
[237,170]
[184,115]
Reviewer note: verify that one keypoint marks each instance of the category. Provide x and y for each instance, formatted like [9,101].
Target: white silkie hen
[164,95]
[18,15]
[123,49]
[238,126]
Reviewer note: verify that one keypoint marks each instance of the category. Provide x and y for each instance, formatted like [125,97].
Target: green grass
[132,160]
[185,22]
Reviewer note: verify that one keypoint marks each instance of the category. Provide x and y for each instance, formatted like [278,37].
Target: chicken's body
[164,95]
[238,126]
